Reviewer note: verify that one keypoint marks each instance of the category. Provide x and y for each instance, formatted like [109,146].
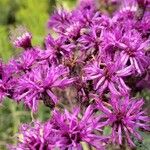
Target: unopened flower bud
[20,37]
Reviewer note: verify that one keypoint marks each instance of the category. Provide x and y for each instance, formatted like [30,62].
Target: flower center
[119,117]
[130,52]
[73,137]
[107,74]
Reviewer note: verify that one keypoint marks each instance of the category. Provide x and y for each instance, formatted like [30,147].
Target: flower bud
[20,37]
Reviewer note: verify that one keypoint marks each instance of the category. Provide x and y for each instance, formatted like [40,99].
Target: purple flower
[59,20]
[63,131]
[129,44]
[56,49]
[111,39]
[85,16]
[25,61]
[39,83]
[126,17]
[87,4]
[135,51]
[108,75]
[144,24]
[6,81]
[129,6]
[35,136]
[126,117]
[21,38]
[73,31]
[127,10]
[91,39]
[74,129]
[3,90]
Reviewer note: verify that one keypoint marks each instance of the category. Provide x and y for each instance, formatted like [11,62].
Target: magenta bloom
[21,38]
[130,45]
[6,80]
[108,75]
[73,130]
[39,83]
[144,24]
[86,4]
[126,117]
[135,51]
[127,10]
[129,7]
[91,40]
[63,131]
[111,39]
[26,60]
[73,30]
[56,49]
[34,136]
[59,20]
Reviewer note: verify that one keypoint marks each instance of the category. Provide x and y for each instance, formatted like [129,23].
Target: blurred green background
[34,15]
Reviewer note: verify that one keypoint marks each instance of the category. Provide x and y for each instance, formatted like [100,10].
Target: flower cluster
[102,59]
[64,130]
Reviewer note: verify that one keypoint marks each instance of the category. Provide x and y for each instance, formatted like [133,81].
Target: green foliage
[34,15]
[107,131]
[67,4]
[5,47]
[12,115]
[7,8]
[145,144]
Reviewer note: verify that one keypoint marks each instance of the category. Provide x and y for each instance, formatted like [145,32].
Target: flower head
[73,130]
[127,10]
[135,51]
[21,38]
[87,4]
[26,61]
[91,39]
[59,20]
[34,136]
[126,117]
[108,75]
[58,47]
[38,84]
[6,80]
[63,131]
[144,24]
